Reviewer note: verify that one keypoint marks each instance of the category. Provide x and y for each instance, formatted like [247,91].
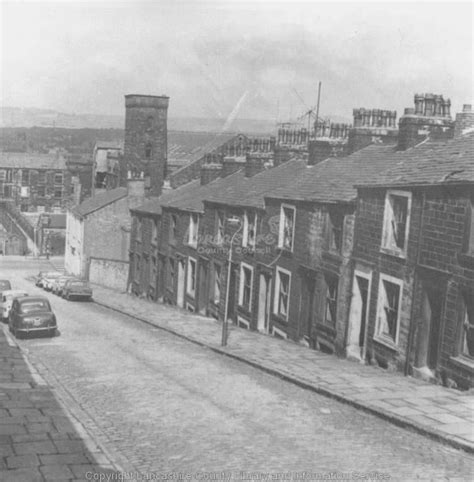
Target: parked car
[32,314]
[6,301]
[58,284]
[49,279]
[42,275]
[77,289]
[4,285]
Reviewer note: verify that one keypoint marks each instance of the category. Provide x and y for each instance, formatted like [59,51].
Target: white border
[278,269]
[377,336]
[241,286]
[284,206]
[394,250]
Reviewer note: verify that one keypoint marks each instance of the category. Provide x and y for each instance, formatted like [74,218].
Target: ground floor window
[468,329]
[191,281]
[171,273]
[216,296]
[245,288]
[388,312]
[282,293]
[331,299]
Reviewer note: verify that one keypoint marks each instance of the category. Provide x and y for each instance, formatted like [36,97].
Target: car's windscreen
[31,306]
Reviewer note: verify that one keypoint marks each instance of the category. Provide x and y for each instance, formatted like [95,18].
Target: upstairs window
[336,229]
[42,177]
[154,232]
[193,230]
[396,222]
[148,151]
[282,293]
[58,178]
[3,175]
[173,232]
[250,229]
[138,229]
[171,273]
[25,177]
[41,191]
[220,227]
[245,288]
[58,193]
[331,300]
[287,227]
[388,310]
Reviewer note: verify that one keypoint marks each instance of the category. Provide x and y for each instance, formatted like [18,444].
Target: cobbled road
[165,405]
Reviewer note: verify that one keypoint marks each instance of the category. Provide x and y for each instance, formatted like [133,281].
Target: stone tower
[145,148]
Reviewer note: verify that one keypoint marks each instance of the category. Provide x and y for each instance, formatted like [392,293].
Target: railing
[10,208]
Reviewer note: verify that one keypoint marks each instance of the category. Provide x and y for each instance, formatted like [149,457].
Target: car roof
[29,299]
[12,292]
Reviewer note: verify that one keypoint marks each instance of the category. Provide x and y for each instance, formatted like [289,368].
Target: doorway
[358,322]
[181,284]
[264,302]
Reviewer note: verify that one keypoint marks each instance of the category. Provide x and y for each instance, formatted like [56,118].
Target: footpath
[435,411]
[41,440]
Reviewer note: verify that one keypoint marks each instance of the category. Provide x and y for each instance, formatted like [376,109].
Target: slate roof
[333,180]
[250,192]
[99,201]
[430,163]
[30,160]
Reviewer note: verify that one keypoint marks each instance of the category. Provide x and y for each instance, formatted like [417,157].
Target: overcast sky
[258,59]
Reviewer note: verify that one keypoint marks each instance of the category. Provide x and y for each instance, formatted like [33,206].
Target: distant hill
[30,117]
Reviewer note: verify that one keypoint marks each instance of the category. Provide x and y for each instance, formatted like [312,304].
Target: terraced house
[341,254]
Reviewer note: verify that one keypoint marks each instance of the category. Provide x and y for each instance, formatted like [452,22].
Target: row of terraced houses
[354,240]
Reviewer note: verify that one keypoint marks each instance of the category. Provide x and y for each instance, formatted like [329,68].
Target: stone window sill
[388,343]
[463,362]
[393,252]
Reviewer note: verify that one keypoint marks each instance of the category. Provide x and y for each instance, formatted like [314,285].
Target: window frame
[191,287]
[378,335]
[172,235]
[246,241]
[332,213]
[329,279]
[220,227]
[284,207]
[56,191]
[57,183]
[193,230]
[388,244]
[216,282]
[276,301]
[242,286]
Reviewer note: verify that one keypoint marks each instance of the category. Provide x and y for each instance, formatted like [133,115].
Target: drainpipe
[411,332]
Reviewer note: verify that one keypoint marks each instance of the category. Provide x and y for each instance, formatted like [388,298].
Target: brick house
[35,182]
[414,262]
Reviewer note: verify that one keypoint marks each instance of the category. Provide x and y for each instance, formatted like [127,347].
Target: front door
[181,284]
[357,333]
[264,299]
[203,286]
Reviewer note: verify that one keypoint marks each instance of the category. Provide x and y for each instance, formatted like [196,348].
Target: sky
[259,59]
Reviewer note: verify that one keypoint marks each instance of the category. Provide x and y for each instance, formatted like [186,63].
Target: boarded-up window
[396,221]
[388,313]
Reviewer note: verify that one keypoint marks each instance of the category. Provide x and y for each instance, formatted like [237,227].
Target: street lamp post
[225,324]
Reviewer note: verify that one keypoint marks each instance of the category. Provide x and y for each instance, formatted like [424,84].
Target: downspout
[411,332]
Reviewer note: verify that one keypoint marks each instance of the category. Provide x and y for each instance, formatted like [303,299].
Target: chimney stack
[210,172]
[232,164]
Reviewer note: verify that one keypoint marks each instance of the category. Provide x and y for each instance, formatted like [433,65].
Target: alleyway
[159,403]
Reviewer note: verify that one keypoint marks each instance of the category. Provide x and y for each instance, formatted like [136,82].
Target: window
[3,175]
[153,271]
[58,178]
[154,231]
[191,283]
[388,310]
[58,192]
[173,229]
[25,191]
[137,267]
[468,329]
[216,296]
[41,177]
[40,208]
[25,177]
[220,227]
[193,229]
[287,227]
[41,191]
[149,122]
[331,300]
[148,151]
[24,208]
[245,287]
[250,230]
[9,175]
[138,229]
[282,293]
[336,229]
[396,222]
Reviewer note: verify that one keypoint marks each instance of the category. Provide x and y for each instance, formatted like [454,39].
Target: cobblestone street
[158,403]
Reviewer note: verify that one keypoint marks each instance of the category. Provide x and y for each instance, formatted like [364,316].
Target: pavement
[41,439]
[435,411]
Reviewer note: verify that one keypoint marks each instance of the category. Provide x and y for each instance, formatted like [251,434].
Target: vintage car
[42,275]
[32,314]
[6,301]
[77,289]
[4,285]
[58,284]
[49,279]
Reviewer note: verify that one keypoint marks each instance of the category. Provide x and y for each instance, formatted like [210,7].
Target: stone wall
[109,272]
